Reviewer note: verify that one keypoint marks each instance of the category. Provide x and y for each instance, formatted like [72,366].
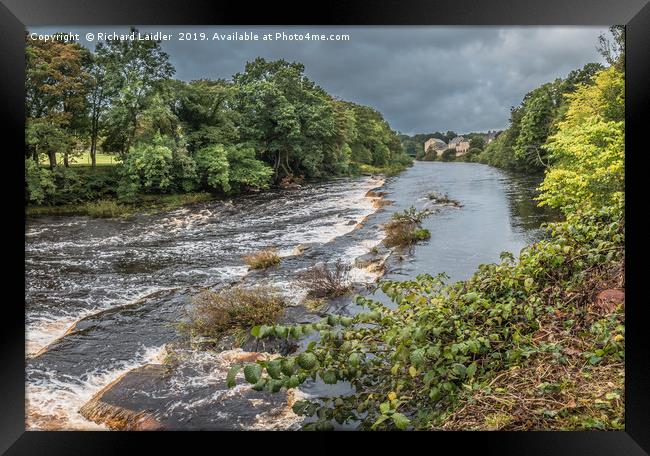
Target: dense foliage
[589,147]
[268,124]
[523,145]
[520,146]
[436,358]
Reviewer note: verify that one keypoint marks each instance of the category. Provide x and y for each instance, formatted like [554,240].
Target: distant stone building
[490,136]
[437,145]
[460,145]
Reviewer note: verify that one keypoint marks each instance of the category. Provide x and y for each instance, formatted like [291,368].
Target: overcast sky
[422,79]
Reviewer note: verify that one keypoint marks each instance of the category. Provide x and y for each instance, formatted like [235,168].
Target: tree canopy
[268,124]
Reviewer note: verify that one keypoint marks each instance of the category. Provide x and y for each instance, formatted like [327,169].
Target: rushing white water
[78,267]
[53,402]
[72,275]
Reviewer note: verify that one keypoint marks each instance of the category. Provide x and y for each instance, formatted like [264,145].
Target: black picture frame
[15,15]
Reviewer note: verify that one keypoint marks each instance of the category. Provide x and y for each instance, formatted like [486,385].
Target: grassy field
[388,170]
[108,207]
[84,160]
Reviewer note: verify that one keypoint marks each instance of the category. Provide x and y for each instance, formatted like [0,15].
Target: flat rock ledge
[148,398]
[107,408]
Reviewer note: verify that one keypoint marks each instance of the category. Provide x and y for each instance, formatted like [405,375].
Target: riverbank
[530,338]
[111,207]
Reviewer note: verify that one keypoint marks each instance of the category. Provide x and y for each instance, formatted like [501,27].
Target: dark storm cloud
[421,78]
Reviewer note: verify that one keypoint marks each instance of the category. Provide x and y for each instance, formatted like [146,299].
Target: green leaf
[264,331]
[259,386]
[252,372]
[594,359]
[296,332]
[292,382]
[401,421]
[288,366]
[299,407]
[281,331]
[434,394]
[384,407]
[354,359]
[274,385]
[255,331]
[417,357]
[346,321]
[380,420]
[274,368]
[329,377]
[307,361]
[232,374]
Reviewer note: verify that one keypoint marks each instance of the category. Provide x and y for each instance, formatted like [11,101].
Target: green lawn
[110,207]
[84,160]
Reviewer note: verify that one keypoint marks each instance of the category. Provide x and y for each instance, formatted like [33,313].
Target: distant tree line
[267,125]
[520,146]
[523,145]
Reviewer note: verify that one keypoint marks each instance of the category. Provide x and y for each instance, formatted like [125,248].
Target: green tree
[539,111]
[135,70]
[213,167]
[99,96]
[613,49]
[205,110]
[589,147]
[477,142]
[149,168]
[246,170]
[39,183]
[288,117]
[55,88]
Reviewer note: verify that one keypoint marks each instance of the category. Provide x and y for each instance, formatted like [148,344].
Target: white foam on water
[206,370]
[283,419]
[44,329]
[53,403]
[228,273]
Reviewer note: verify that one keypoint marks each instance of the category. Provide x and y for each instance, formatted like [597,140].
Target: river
[125,283]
